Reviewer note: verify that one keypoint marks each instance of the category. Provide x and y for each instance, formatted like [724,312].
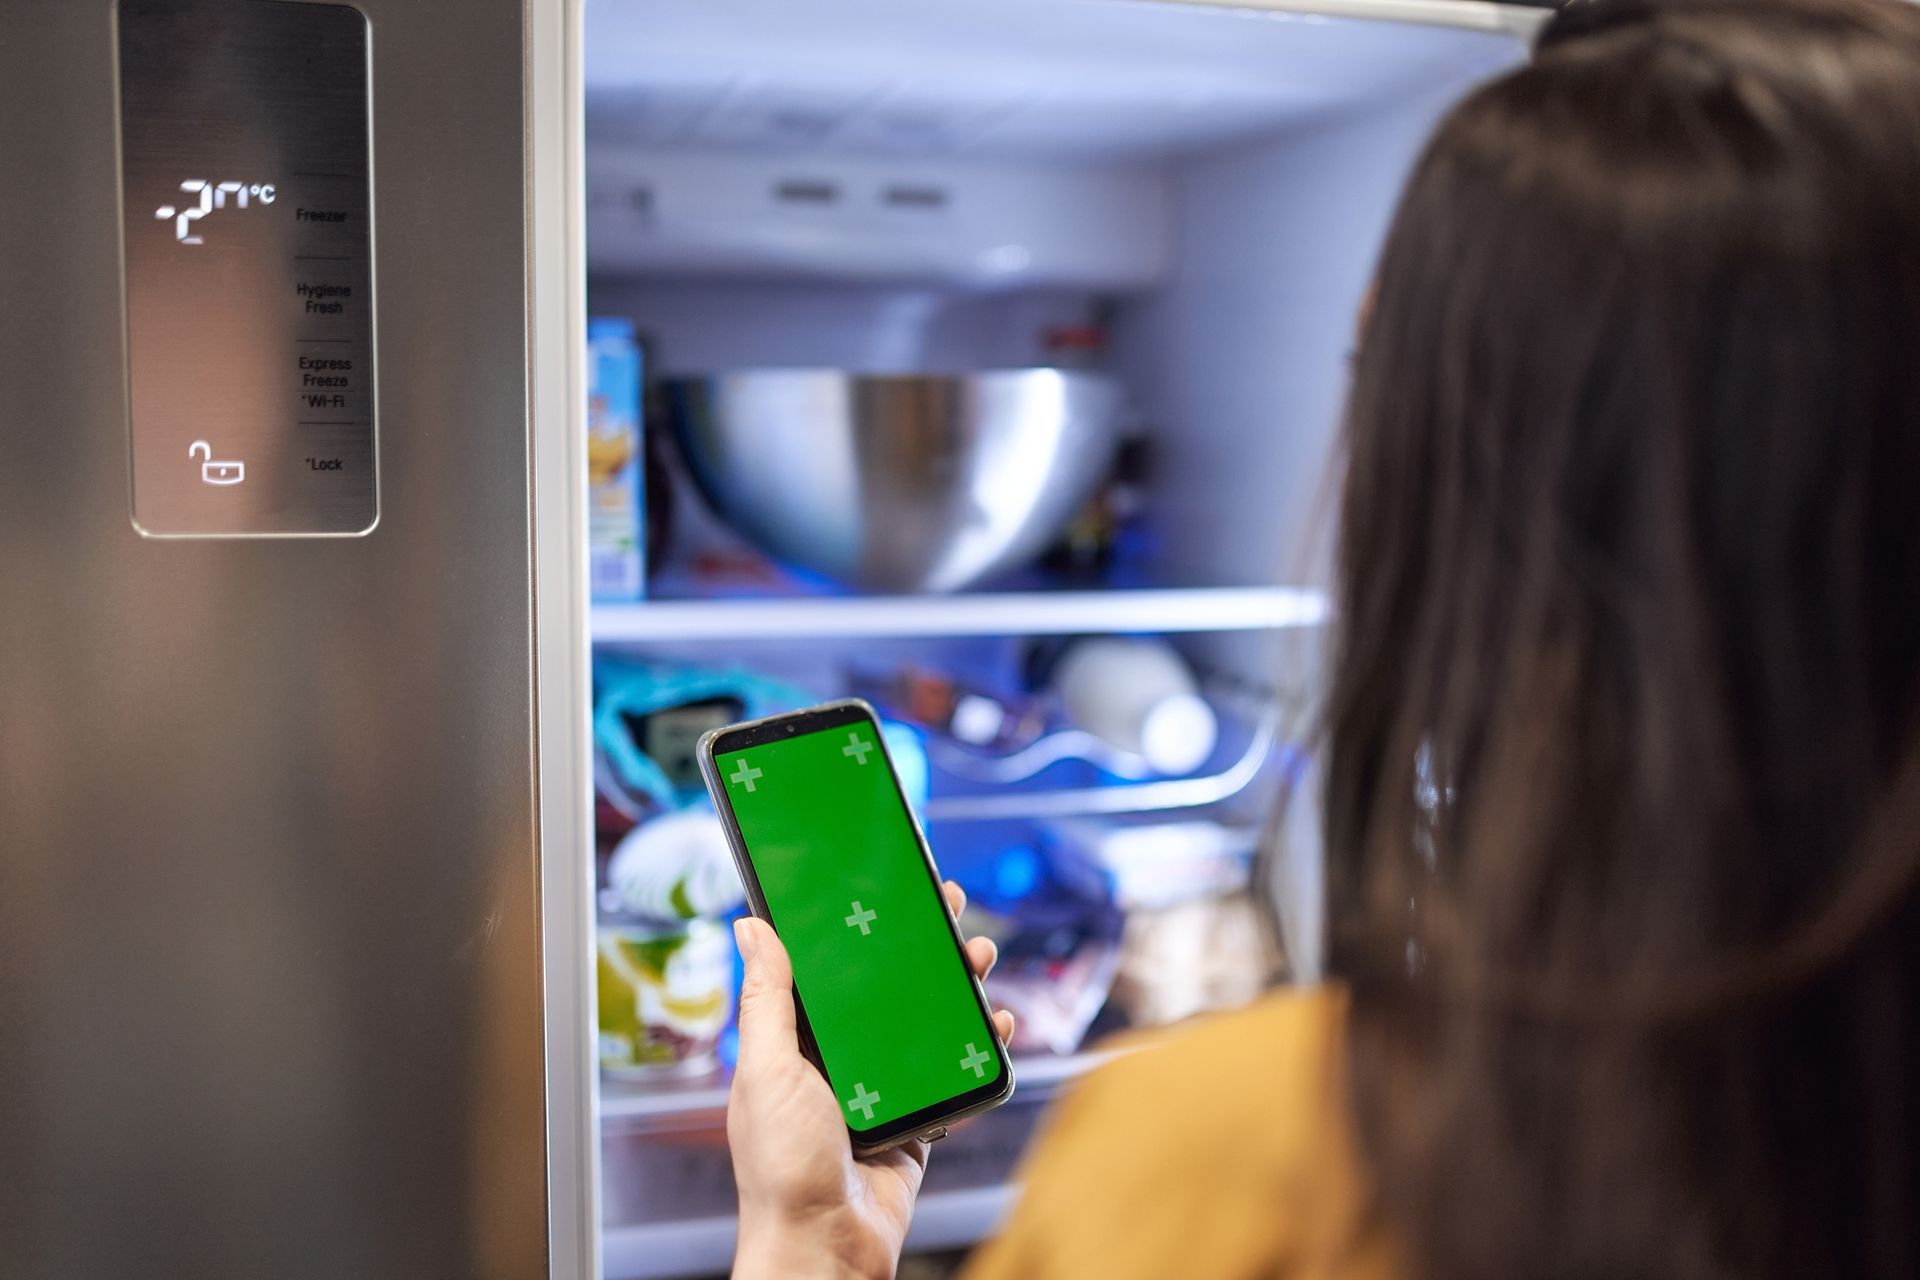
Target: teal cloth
[623,688]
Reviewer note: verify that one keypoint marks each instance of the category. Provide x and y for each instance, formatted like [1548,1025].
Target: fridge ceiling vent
[962,224]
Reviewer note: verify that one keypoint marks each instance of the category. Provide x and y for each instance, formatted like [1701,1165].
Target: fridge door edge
[556,444]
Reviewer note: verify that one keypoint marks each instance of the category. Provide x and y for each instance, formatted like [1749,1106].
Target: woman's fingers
[766,996]
[981,952]
[981,955]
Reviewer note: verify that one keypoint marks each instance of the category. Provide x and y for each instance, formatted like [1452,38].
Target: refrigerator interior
[1184,199]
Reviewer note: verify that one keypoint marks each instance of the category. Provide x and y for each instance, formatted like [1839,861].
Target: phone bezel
[832,715]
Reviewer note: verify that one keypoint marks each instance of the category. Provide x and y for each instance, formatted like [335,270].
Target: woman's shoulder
[1295,1037]
[1258,1091]
[1221,1147]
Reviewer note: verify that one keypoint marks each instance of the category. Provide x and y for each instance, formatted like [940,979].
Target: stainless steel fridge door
[273,991]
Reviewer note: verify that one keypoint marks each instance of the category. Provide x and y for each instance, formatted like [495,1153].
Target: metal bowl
[898,483]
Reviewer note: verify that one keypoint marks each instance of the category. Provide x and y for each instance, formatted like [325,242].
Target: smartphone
[834,859]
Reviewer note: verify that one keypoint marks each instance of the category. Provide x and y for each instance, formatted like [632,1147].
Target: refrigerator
[1182,201]
[305,799]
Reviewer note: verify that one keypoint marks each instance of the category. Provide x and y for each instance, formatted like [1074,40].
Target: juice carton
[615,494]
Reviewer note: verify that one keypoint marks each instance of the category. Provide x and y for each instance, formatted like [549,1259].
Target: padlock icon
[211,472]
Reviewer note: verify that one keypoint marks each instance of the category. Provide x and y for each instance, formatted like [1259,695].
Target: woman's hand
[808,1205]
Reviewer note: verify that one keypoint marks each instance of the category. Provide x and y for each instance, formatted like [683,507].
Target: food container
[615,492]
[665,995]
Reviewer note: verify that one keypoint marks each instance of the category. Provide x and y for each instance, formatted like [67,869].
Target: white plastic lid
[1179,734]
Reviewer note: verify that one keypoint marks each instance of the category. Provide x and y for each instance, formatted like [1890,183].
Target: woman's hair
[1623,773]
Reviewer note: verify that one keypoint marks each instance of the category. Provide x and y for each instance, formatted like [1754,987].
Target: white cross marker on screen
[856,748]
[862,1101]
[863,919]
[975,1061]
[746,774]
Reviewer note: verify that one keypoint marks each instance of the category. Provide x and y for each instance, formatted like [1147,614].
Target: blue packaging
[616,557]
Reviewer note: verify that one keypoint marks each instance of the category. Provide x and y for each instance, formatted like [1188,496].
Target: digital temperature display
[211,196]
[247,217]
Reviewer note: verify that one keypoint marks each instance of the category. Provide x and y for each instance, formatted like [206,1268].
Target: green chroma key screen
[886,992]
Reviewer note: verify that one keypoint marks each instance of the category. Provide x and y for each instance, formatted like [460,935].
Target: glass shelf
[671,1106]
[703,1246]
[1005,613]
[672,1135]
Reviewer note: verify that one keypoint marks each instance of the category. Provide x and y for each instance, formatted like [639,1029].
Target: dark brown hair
[1623,782]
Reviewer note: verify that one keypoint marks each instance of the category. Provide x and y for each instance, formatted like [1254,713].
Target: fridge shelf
[702,1246]
[1008,613]
[673,1136]
[631,1108]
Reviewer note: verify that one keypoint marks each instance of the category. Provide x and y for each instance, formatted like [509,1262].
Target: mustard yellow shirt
[1220,1150]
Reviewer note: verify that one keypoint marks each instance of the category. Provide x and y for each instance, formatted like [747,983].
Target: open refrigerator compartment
[668,1195]
[795,210]
[705,581]
[668,1199]
[1181,200]
[1109,922]
[1096,559]
[1104,564]
[1081,970]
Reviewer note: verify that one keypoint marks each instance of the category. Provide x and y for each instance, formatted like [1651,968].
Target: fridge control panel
[247,225]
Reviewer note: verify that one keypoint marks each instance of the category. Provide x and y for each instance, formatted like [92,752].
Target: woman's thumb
[766,995]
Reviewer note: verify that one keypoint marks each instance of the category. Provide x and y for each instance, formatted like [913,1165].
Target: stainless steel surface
[249,267]
[270,985]
[898,483]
